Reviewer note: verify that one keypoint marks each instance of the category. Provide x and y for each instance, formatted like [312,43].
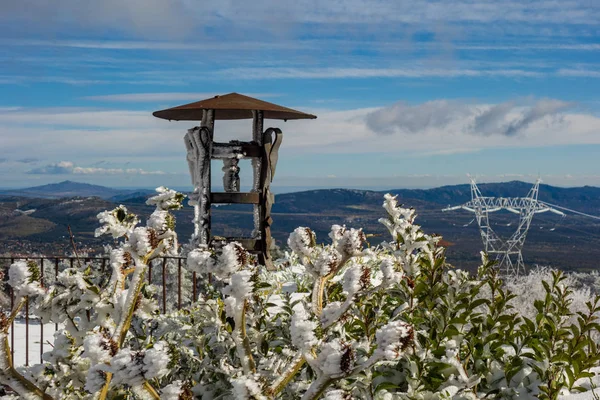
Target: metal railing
[172,293]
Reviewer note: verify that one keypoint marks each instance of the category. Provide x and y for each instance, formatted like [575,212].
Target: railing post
[179,284]
[150,272]
[194,294]
[164,284]
[12,325]
[27,331]
[41,322]
[56,262]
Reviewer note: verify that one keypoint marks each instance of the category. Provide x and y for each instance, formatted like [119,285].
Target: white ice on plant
[135,367]
[337,394]
[96,347]
[96,378]
[233,257]
[352,280]
[456,366]
[246,387]
[200,261]
[158,220]
[356,278]
[139,240]
[117,262]
[69,295]
[333,311]
[239,289]
[392,338]
[302,329]
[396,212]
[301,241]
[111,224]
[326,262]
[171,391]
[336,233]
[329,359]
[23,277]
[235,294]
[166,199]
[156,360]
[410,242]
[62,348]
[4,364]
[391,274]
[241,285]
[348,242]
[127,367]
[529,288]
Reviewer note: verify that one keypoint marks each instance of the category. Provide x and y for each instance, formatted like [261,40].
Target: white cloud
[437,127]
[163,97]
[579,73]
[153,18]
[530,46]
[446,152]
[339,73]
[284,44]
[150,97]
[69,168]
[507,119]
[73,81]
[237,19]
[182,75]
[22,79]
[164,45]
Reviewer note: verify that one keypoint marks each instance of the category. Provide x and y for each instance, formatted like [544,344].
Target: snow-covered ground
[35,337]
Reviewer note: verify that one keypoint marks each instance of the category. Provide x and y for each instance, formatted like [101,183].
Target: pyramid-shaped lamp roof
[230,106]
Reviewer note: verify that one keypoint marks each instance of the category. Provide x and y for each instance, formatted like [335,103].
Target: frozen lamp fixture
[262,150]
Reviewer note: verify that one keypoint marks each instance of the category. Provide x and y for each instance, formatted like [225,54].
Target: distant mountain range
[586,199]
[68,189]
[580,198]
[36,219]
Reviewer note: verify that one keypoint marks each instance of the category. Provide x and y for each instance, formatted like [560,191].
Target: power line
[569,227]
[573,211]
[508,251]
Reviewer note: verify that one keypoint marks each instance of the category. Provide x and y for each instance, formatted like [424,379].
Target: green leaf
[262,285]
[386,386]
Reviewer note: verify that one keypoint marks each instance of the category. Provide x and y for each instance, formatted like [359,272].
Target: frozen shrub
[338,321]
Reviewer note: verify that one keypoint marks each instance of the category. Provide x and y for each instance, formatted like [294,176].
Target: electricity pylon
[507,252]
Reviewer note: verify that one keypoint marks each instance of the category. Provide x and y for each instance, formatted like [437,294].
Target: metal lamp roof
[228,107]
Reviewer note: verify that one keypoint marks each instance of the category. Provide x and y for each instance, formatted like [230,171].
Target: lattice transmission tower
[507,251]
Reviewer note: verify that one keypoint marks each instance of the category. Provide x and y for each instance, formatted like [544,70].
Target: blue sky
[407,93]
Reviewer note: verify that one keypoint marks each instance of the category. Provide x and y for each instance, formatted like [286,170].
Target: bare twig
[245,340]
[73,245]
